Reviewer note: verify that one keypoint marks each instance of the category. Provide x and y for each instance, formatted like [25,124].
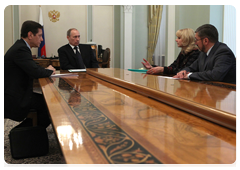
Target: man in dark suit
[75,55]
[216,62]
[19,72]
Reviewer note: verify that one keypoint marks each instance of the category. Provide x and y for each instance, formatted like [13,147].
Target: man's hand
[182,75]
[50,67]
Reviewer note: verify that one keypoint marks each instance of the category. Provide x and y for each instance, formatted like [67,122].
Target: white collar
[27,44]
[73,46]
[209,50]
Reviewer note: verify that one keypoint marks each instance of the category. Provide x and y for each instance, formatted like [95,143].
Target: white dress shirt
[74,49]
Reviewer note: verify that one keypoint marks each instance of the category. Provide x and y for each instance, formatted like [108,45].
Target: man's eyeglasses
[198,39]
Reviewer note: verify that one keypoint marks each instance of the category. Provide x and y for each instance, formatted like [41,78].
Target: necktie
[80,63]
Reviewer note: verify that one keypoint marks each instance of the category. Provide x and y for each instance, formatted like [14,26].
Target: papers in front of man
[64,75]
[77,70]
[169,77]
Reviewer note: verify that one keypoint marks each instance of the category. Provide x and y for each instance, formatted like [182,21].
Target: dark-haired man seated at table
[216,62]
[74,55]
[19,72]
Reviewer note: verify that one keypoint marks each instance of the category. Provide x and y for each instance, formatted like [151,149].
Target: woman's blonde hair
[188,39]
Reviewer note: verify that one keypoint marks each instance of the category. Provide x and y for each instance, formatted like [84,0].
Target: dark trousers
[39,105]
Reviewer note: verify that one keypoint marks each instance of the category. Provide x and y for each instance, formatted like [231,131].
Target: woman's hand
[155,70]
[147,65]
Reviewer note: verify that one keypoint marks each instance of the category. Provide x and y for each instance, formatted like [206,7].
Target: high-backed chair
[106,58]
[95,51]
[237,59]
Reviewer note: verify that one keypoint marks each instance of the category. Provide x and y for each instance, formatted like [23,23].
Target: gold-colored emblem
[54,15]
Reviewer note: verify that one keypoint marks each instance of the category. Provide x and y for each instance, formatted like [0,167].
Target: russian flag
[41,48]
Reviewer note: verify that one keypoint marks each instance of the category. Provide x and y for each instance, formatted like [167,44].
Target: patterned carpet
[53,157]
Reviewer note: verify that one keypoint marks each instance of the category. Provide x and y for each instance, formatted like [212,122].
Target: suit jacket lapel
[71,52]
[214,48]
[208,58]
[23,42]
[201,60]
[82,51]
[206,61]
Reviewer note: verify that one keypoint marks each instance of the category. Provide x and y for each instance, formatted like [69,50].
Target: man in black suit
[19,72]
[216,62]
[74,55]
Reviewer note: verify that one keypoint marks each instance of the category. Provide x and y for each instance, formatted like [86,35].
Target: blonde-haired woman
[189,53]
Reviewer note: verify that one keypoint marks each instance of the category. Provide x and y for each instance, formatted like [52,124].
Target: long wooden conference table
[116,116]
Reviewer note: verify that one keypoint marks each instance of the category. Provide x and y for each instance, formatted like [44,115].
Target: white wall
[102,27]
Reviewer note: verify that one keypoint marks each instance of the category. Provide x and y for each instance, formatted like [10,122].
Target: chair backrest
[106,58]
[237,58]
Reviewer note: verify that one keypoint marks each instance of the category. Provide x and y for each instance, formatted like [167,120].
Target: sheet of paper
[168,77]
[77,70]
[64,75]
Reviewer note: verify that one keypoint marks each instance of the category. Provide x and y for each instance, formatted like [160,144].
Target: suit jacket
[68,59]
[220,65]
[19,72]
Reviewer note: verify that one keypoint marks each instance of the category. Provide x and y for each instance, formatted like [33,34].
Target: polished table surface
[208,100]
[97,122]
